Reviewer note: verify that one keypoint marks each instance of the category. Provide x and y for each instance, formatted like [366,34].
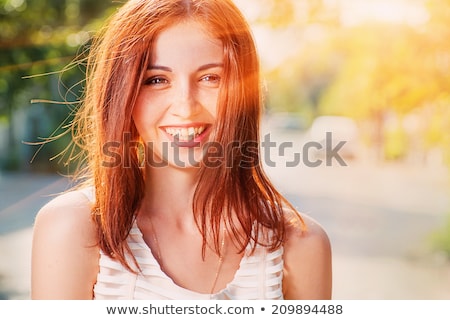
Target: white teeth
[185,134]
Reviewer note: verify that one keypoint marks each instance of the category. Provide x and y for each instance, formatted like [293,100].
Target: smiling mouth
[185,134]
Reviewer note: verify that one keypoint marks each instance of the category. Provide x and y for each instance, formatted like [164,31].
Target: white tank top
[259,276]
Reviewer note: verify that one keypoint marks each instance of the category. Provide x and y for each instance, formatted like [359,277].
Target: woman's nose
[185,104]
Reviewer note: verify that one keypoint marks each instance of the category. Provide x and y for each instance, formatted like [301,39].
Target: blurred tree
[39,38]
[285,13]
[392,69]
[438,57]
[296,84]
[276,13]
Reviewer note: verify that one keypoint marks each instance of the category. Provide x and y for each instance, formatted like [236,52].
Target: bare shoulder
[307,260]
[64,251]
[309,236]
[68,214]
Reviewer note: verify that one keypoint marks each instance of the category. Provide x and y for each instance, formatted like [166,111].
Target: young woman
[175,204]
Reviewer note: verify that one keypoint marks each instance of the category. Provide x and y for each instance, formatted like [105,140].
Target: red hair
[237,192]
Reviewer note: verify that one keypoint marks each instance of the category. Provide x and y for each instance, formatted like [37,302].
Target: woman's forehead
[187,42]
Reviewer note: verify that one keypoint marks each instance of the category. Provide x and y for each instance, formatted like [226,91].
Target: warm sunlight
[390,11]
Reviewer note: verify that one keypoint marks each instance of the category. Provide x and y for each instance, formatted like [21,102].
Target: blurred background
[374,73]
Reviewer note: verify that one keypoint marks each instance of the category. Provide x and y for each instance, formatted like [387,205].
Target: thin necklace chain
[219,262]
[155,240]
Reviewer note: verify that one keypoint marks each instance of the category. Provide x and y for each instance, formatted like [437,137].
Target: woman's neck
[169,191]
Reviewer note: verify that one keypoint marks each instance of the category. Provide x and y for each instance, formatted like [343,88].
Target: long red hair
[237,192]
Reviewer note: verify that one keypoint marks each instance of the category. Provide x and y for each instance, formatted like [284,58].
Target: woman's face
[176,105]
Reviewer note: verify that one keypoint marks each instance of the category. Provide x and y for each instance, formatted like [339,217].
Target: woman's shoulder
[307,258]
[68,215]
[65,252]
[302,229]
[73,208]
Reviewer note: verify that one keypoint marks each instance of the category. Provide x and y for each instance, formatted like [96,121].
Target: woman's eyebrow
[210,66]
[156,67]
[201,68]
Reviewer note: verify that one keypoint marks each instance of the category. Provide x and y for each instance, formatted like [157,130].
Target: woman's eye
[212,79]
[155,81]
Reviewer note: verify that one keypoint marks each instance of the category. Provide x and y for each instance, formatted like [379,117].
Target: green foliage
[440,239]
[38,39]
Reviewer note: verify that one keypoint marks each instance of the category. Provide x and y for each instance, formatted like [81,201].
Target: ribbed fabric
[259,277]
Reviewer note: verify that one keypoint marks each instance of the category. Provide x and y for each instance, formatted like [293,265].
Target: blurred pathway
[379,219]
